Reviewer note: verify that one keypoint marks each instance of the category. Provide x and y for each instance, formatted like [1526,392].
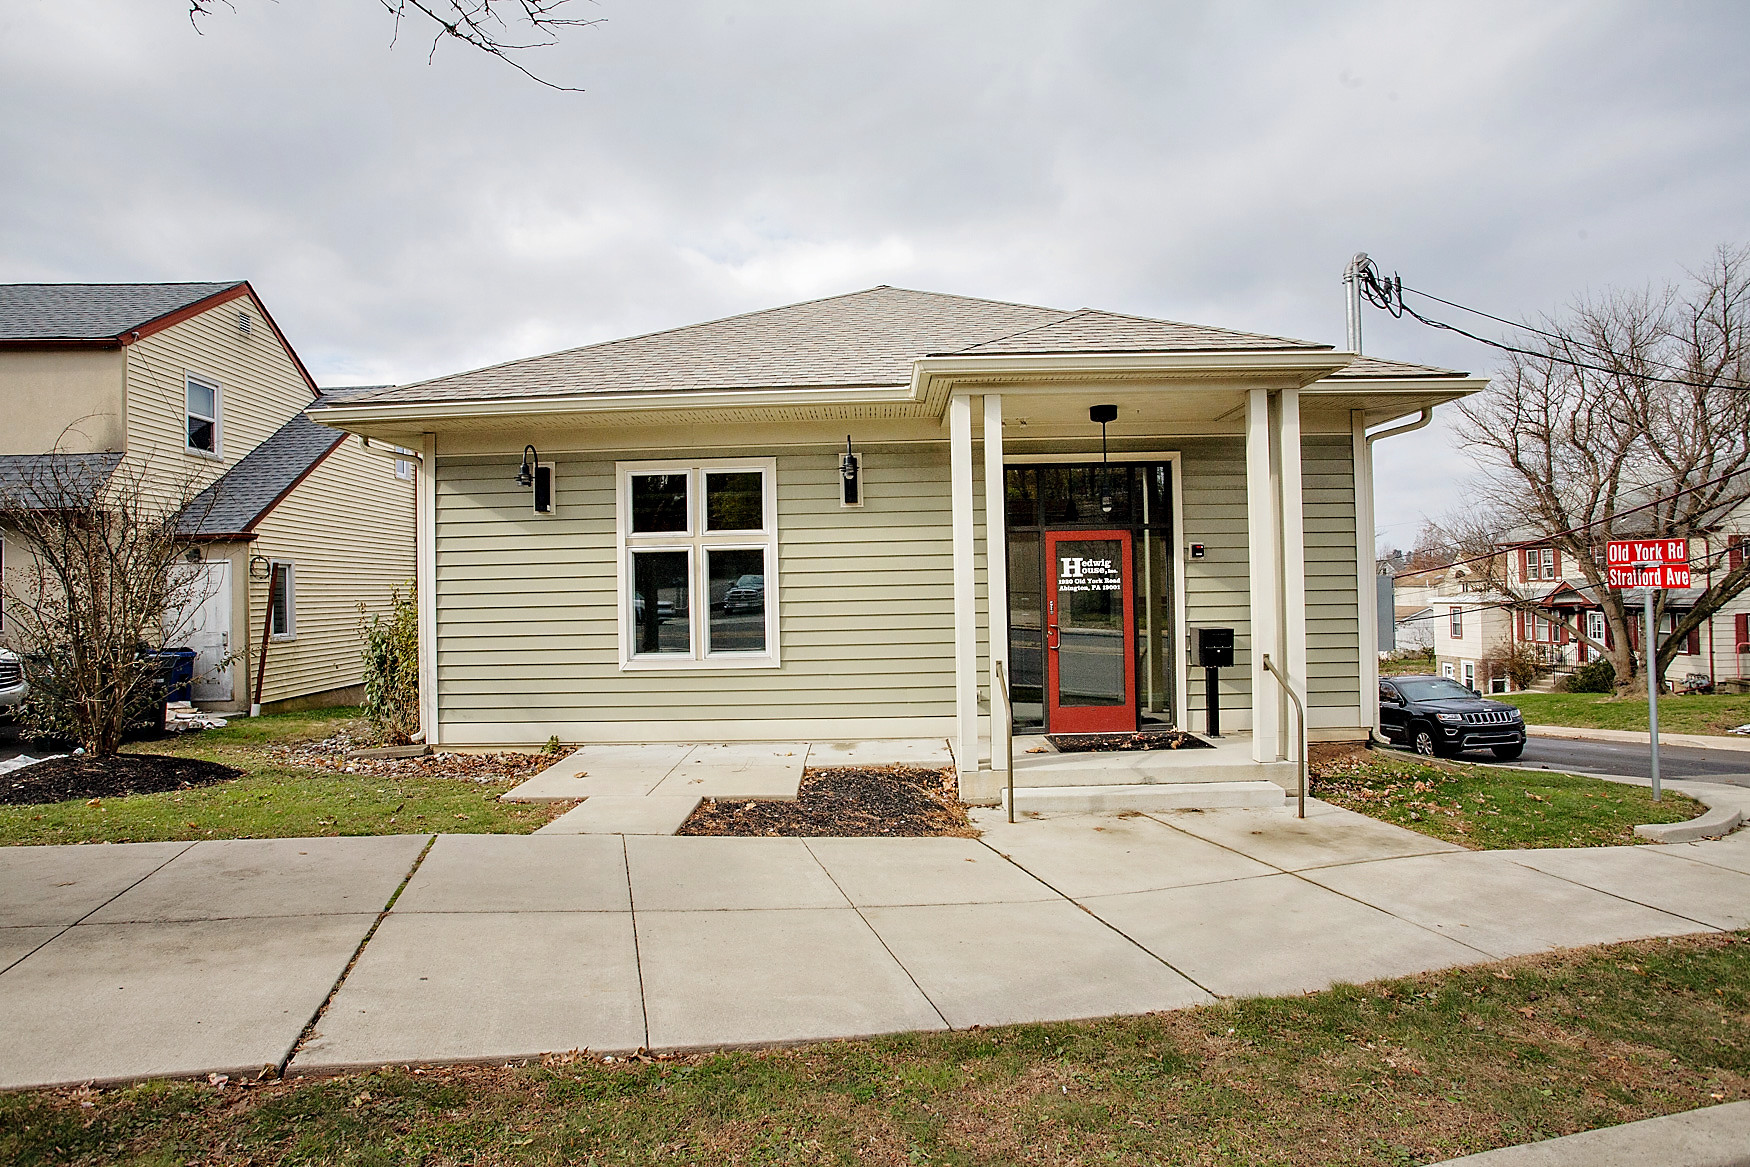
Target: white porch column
[1265,568]
[425,581]
[996,572]
[965,593]
[1291,510]
[1366,585]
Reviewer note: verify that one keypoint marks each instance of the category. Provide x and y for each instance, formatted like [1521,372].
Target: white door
[207,629]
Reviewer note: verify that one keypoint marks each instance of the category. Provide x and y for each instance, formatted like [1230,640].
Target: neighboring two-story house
[191,387]
[1540,598]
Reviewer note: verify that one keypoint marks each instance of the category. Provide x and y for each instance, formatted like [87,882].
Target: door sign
[1076,573]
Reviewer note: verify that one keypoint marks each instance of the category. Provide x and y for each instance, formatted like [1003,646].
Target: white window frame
[290,632]
[1595,626]
[218,418]
[1470,674]
[696,541]
[1446,670]
[1455,623]
[404,466]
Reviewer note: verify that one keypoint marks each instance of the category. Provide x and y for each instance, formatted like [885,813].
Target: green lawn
[1398,1072]
[1709,713]
[275,799]
[1486,807]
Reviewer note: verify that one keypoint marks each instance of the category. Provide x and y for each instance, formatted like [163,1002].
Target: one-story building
[843,519]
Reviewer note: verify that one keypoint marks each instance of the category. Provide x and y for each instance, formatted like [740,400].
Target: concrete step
[1144,769]
[1148,796]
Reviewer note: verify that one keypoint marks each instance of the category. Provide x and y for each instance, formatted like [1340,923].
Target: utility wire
[1387,293]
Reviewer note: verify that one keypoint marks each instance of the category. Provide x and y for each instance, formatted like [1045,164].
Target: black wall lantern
[850,476]
[1103,414]
[538,477]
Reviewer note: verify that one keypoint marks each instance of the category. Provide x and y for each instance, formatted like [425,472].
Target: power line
[1387,293]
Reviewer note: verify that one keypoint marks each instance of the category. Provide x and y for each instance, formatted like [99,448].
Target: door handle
[1051,637]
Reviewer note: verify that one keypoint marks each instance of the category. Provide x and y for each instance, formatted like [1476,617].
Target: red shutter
[1558,563]
[1694,645]
[1524,558]
[1735,555]
[1740,630]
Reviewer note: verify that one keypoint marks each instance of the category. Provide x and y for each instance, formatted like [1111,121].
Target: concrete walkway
[130,961]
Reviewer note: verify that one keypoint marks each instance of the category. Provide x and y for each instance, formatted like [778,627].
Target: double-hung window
[1455,622]
[283,609]
[201,415]
[698,546]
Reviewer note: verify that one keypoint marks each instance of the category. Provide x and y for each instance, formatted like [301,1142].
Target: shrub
[1597,676]
[1517,662]
[391,652]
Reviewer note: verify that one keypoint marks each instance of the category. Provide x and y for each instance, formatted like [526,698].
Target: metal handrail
[1300,717]
[1007,723]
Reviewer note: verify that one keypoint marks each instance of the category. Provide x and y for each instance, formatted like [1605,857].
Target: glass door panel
[1090,627]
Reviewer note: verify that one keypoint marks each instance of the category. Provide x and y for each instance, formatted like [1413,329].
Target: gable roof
[95,312]
[866,339]
[34,481]
[241,497]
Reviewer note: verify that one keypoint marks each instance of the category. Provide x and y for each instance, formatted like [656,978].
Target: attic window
[201,409]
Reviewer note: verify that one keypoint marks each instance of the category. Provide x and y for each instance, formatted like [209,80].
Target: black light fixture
[526,475]
[1103,414]
[850,469]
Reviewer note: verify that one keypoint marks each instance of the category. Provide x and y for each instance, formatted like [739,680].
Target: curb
[1698,741]
[1714,1136]
[1716,823]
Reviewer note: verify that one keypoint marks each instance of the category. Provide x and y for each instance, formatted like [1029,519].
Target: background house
[191,388]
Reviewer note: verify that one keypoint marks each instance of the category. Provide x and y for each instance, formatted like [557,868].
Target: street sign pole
[1651,641]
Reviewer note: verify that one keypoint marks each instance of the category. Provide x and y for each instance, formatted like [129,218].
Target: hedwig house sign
[1647,563]
[1081,574]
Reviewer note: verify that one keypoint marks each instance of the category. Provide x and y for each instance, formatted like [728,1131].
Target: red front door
[1090,633]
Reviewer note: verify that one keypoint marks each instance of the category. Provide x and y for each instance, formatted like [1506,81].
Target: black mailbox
[1213,648]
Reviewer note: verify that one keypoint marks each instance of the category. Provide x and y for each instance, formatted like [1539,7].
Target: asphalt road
[1629,761]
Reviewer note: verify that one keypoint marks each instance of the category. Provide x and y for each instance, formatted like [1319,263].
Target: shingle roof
[33,481]
[243,494]
[1091,330]
[1374,368]
[92,311]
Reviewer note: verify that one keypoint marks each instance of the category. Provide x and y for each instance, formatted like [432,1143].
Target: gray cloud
[1216,163]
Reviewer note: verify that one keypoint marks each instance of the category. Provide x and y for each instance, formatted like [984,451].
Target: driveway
[157,959]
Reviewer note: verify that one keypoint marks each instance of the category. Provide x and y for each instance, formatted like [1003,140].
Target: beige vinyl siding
[527,624]
[1333,627]
[1218,586]
[348,529]
[260,388]
[61,399]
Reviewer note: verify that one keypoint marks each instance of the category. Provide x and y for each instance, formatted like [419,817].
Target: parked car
[1437,715]
[748,595]
[13,690]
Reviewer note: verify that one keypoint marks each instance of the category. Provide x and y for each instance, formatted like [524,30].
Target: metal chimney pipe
[1352,285]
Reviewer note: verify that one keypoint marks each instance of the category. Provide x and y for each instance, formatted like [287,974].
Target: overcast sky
[1215,162]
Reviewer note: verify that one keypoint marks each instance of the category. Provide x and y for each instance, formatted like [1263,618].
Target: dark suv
[1437,715]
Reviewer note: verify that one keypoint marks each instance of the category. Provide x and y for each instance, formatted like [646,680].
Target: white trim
[790,730]
[696,540]
[218,419]
[1292,519]
[965,590]
[996,569]
[1262,564]
[1366,571]
[425,582]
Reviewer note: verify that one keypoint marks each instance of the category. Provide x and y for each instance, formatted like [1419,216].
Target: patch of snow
[24,760]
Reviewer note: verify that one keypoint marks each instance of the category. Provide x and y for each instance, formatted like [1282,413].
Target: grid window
[1455,622]
[699,548]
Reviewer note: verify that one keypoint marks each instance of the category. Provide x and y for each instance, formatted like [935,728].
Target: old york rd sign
[1647,563]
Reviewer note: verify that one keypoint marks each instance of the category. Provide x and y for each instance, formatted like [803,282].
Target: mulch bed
[115,776]
[1148,739]
[332,754]
[845,802]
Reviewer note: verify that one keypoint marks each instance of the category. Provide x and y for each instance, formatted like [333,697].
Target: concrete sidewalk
[129,961]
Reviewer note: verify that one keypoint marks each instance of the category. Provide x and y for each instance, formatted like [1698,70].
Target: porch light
[526,475]
[1103,414]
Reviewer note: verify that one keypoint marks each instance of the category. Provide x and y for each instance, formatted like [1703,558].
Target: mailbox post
[1213,648]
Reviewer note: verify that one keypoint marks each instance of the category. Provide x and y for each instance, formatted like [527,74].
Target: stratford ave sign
[1647,563]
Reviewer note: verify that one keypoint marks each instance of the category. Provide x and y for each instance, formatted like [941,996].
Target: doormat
[1148,739]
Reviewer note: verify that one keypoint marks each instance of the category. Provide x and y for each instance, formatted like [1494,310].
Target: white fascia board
[343,417]
[1310,364]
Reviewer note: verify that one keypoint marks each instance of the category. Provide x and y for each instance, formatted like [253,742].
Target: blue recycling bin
[178,666]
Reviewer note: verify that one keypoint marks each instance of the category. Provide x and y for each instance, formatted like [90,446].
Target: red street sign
[1647,563]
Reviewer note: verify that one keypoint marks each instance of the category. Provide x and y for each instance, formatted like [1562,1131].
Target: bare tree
[499,28]
[102,584]
[1631,420]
